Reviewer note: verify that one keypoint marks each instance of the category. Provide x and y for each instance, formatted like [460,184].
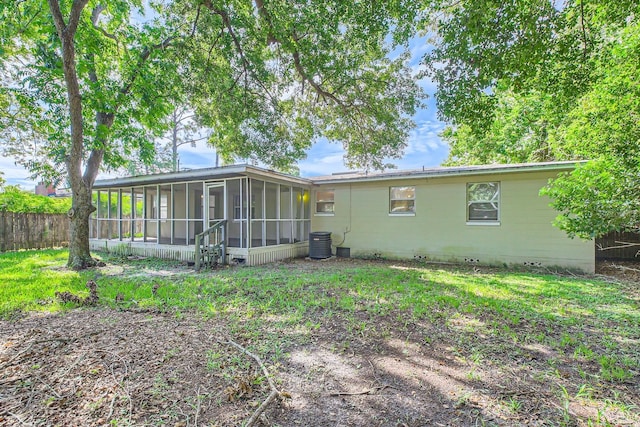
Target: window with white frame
[483,202]
[402,200]
[325,201]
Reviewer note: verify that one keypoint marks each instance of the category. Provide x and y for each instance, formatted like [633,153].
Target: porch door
[215,203]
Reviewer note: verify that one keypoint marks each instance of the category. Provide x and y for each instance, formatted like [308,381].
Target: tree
[604,126]
[183,130]
[94,81]
[532,80]
[76,71]
[270,78]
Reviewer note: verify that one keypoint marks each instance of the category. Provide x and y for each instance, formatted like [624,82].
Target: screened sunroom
[253,214]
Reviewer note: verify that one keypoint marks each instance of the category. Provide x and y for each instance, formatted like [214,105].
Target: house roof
[439,172]
[345,177]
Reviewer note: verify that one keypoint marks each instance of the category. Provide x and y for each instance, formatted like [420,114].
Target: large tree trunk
[79,254]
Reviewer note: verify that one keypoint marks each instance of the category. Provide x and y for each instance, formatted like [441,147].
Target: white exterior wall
[439,228]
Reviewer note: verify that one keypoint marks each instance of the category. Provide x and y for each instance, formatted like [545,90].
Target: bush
[13,199]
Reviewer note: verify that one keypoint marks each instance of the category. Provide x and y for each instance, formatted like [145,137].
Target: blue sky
[425,148]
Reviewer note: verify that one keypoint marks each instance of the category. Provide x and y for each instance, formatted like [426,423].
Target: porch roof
[198,175]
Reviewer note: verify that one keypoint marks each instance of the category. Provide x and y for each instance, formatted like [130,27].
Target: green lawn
[496,302]
[591,325]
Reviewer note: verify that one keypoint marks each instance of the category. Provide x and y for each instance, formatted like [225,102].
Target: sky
[424,147]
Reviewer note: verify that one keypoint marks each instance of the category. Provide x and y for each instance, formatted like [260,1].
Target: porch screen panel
[195,210]
[166,218]
[114,217]
[103,214]
[271,200]
[256,210]
[257,237]
[298,214]
[125,213]
[285,214]
[306,225]
[306,204]
[93,218]
[151,214]
[179,214]
[236,224]
[138,214]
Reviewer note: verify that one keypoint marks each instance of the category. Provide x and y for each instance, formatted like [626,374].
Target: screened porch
[259,212]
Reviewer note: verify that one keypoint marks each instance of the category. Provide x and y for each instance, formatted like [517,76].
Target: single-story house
[490,214]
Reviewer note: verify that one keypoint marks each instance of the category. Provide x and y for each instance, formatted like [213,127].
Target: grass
[30,279]
[489,317]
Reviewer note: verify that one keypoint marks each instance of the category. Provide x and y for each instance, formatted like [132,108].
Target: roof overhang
[222,172]
[442,172]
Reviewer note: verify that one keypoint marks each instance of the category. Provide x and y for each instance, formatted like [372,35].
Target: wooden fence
[32,231]
[620,246]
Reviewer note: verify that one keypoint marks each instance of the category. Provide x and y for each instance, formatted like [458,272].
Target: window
[402,200]
[483,202]
[325,201]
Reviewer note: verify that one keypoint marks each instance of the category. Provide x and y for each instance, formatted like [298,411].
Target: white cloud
[200,156]
[323,158]
[15,174]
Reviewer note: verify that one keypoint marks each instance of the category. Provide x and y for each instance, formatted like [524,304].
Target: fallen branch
[621,244]
[251,421]
[274,390]
[623,268]
[22,423]
[358,393]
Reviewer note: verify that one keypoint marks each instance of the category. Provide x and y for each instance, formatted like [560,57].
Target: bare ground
[99,367]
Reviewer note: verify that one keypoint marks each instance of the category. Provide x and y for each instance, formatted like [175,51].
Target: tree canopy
[533,80]
[89,83]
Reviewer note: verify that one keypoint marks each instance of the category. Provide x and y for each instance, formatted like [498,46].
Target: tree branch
[262,12]
[74,16]
[274,390]
[584,32]
[226,20]
[58,19]
[319,90]
[195,22]
[95,16]
[272,39]
[144,55]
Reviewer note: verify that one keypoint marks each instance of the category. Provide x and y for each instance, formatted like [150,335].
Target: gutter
[449,172]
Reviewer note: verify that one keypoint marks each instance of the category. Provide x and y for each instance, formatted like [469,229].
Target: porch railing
[211,245]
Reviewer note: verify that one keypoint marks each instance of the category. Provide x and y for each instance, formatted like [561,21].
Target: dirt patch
[104,367]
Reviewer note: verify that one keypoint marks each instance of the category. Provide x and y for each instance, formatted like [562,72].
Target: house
[43,189]
[477,214]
